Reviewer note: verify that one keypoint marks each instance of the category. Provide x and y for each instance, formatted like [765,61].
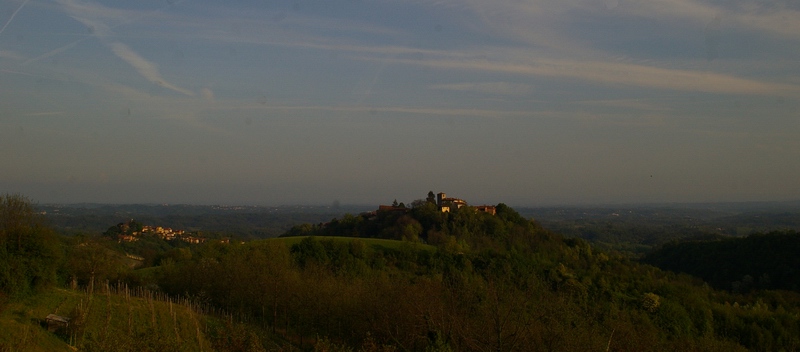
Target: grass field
[20,322]
[118,321]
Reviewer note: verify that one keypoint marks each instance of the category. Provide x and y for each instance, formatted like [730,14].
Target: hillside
[637,229]
[758,261]
[403,279]
[118,321]
[496,282]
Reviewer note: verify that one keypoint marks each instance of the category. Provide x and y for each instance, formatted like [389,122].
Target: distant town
[132,231]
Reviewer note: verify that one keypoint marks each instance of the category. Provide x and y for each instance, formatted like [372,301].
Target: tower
[439,198]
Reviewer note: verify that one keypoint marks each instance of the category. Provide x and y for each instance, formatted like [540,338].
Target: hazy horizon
[526,103]
[751,205]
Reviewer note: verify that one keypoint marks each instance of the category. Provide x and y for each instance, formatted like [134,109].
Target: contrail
[72,44]
[53,52]
[12,16]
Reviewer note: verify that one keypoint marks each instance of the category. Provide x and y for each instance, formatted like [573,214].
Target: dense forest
[406,279]
[758,261]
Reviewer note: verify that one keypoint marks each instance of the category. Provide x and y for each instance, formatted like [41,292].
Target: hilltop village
[435,219]
[132,231]
[443,203]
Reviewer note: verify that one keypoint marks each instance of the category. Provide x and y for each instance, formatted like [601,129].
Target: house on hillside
[56,322]
[446,203]
[489,209]
[126,238]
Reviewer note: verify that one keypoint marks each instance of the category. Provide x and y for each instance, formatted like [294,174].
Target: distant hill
[636,229]
[633,228]
[240,221]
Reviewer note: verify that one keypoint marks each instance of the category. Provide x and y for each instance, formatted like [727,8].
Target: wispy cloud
[11,18]
[635,75]
[548,48]
[785,22]
[145,68]
[94,17]
[55,51]
[497,88]
[45,113]
[626,104]
[6,54]
[26,74]
[768,17]
[208,94]
[483,113]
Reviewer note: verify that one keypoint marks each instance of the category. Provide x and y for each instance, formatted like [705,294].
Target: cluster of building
[444,203]
[164,233]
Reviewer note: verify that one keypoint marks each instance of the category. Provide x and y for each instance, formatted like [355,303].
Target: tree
[29,252]
[92,261]
[431,197]
[418,203]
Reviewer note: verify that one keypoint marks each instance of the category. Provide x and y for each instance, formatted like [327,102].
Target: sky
[365,101]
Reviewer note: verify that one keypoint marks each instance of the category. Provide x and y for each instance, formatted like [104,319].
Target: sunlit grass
[112,321]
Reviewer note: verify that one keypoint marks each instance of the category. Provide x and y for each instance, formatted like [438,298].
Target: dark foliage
[29,251]
[759,261]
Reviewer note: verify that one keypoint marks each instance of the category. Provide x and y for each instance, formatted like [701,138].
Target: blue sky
[360,101]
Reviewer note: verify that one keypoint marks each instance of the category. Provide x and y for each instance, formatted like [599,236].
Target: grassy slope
[117,322]
[20,329]
[113,322]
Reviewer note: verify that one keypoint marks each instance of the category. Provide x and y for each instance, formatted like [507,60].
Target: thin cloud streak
[755,16]
[12,16]
[145,68]
[55,51]
[10,55]
[640,75]
[620,73]
[627,104]
[497,88]
[93,16]
[122,17]
[485,113]
[45,113]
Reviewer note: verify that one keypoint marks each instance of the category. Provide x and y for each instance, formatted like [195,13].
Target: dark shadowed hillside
[759,261]
[636,229]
